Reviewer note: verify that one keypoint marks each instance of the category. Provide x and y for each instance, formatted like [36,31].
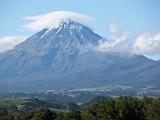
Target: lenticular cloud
[53,19]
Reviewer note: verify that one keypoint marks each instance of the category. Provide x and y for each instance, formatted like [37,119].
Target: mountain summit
[65,57]
[68,35]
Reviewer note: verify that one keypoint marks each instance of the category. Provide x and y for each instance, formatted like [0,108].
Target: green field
[8,102]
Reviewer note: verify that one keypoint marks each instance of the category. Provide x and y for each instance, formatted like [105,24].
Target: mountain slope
[47,47]
[66,57]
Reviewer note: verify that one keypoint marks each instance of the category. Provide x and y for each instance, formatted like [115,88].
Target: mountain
[66,57]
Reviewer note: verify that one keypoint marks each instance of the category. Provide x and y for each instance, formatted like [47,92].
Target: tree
[129,108]
[146,102]
[101,110]
[3,111]
[40,114]
[72,115]
[153,110]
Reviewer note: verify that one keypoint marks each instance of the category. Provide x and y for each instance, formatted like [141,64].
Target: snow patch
[46,32]
[59,29]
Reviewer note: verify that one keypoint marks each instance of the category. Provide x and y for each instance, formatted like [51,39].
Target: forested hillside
[121,108]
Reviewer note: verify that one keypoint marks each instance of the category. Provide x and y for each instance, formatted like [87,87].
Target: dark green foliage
[129,108]
[46,114]
[7,117]
[153,111]
[3,111]
[101,110]
[121,108]
[40,114]
[72,115]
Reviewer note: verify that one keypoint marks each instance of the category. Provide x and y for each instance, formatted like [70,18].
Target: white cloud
[112,27]
[148,44]
[119,43]
[118,39]
[9,42]
[53,19]
[145,44]
[116,27]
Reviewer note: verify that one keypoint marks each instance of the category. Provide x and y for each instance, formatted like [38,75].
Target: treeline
[121,108]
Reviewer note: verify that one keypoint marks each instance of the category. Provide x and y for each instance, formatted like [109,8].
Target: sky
[140,19]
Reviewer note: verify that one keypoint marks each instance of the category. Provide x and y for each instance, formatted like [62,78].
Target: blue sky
[138,16]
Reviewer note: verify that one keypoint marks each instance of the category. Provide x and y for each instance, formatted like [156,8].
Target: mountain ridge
[64,57]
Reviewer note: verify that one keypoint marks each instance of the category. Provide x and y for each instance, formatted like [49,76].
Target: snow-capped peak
[68,24]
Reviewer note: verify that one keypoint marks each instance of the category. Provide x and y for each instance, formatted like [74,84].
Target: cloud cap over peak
[53,19]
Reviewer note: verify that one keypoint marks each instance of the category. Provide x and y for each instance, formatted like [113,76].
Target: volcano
[67,57]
